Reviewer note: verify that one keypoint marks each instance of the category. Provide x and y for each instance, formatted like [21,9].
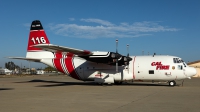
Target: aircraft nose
[192,71]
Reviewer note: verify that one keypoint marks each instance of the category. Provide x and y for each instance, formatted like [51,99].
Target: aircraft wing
[98,57]
[28,59]
[56,48]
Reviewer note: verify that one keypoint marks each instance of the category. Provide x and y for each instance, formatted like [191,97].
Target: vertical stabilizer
[37,36]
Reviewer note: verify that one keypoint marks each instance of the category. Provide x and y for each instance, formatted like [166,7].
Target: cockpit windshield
[179,60]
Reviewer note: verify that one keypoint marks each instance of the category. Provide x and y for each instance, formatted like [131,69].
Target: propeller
[127,50]
[128,56]
[116,54]
[121,59]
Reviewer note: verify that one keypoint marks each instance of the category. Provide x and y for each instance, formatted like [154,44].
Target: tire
[172,83]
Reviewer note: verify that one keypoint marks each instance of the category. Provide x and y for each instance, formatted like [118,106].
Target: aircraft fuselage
[156,68]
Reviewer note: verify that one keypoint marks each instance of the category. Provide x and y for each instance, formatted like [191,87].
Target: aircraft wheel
[172,83]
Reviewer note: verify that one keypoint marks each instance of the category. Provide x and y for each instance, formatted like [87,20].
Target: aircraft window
[180,67]
[151,71]
[183,63]
[177,60]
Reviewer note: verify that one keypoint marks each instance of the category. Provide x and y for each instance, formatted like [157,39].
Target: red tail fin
[37,36]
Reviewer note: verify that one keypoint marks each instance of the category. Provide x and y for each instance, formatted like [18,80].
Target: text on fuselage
[160,66]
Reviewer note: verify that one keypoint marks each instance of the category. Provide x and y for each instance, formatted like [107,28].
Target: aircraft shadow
[2,89]
[58,83]
[143,84]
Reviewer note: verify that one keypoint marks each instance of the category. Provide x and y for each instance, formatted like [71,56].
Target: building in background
[4,71]
[40,72]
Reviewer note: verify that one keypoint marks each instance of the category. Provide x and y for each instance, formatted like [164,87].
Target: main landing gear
[172,83]
[118,82]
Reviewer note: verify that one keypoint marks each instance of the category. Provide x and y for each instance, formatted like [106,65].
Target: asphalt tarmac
[64,94]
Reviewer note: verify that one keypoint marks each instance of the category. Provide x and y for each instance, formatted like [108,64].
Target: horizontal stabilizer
[56,48]
[23,58]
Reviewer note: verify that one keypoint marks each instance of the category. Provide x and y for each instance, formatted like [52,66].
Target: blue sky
[162,26]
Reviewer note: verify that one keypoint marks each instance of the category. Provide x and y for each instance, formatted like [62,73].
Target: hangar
[196,65]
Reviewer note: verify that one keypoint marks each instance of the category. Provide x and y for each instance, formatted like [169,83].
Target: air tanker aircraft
[103,67]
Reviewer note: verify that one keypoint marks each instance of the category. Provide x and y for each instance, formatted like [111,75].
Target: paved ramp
[64,94]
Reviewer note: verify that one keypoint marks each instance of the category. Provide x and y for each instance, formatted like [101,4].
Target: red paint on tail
[37,36]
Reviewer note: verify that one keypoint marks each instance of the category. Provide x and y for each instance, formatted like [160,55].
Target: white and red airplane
[103,67]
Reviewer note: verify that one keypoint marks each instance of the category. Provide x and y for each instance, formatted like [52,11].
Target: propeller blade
[127,50]
[116,45]
[128,56]
[116,54]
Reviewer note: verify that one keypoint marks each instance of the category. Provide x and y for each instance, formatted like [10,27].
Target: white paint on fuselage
[142,65]
[39,54]
[138,69]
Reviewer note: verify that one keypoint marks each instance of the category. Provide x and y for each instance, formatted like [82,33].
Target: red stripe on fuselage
[70,67]
[58,55]
[57,62]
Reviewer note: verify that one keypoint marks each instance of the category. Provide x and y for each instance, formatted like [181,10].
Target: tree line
[11,66]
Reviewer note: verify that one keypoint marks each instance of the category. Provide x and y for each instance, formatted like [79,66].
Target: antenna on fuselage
[154,54]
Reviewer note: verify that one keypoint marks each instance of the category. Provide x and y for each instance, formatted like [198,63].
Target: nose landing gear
[172,83]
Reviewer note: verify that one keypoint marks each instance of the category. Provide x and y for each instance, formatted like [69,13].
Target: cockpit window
[178,60]
[184,64]
[180,67]
[175,61]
